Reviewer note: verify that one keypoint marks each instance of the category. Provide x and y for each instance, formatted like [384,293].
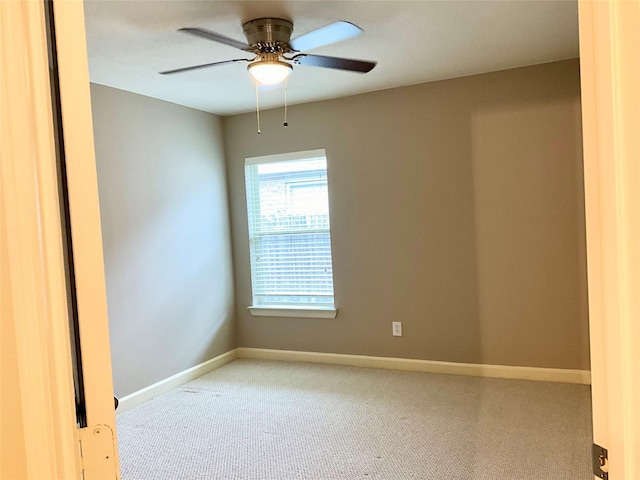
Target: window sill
[298,312]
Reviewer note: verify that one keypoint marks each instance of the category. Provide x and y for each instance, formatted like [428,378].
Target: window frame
[301,310]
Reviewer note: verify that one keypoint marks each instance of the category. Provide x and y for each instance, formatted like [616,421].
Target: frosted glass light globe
[269,72]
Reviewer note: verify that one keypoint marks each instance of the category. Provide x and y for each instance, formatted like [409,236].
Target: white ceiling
[129,42]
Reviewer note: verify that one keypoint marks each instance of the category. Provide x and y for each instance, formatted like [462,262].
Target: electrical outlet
[397,329]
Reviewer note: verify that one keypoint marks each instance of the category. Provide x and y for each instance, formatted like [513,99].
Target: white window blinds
[289,235]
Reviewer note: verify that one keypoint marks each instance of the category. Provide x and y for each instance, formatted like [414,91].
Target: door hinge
[97,453]
[600,461]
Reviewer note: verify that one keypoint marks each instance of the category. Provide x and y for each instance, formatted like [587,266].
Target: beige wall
[165,222]
[456,208]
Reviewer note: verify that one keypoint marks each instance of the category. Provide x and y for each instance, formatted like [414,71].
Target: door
[610,72]
[51,253]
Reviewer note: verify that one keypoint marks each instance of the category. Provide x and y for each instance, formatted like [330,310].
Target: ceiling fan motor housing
[268,31]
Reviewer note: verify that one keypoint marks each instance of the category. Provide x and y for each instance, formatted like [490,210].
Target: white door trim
[38,435]
[99,444]
[610,72]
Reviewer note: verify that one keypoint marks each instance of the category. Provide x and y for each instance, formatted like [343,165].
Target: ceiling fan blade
[332,33]
[361,66]
[206,65]
[216,37]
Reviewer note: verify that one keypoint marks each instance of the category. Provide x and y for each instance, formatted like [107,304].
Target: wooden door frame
[610,76]
[42,440]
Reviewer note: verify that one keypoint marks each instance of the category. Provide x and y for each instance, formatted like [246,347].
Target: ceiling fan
[269,40]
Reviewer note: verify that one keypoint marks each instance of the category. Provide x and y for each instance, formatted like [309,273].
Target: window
[289,235]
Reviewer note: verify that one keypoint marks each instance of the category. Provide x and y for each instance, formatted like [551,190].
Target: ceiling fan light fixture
[269,72]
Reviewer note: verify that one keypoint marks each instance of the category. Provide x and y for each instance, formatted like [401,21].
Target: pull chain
[285,124]
[257,109]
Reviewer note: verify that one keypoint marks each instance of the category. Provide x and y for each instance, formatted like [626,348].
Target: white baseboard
[478,370]
[136,398]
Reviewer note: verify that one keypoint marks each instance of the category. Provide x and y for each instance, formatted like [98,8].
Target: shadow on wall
[168,280]
[529,225]
[167,248]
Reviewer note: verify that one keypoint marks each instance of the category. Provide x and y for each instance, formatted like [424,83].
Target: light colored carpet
[259,420]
